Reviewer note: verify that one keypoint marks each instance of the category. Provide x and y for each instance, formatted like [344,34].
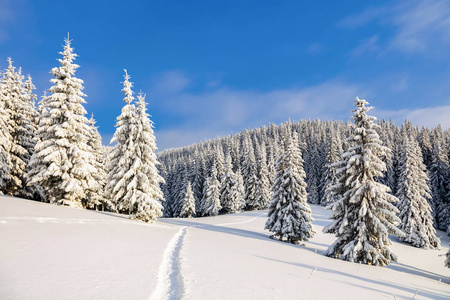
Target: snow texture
[95,255]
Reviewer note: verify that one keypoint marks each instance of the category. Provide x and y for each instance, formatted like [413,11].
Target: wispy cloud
[367,45]
[428,116]
[170,82]
[419,25]
[7,16]
[222,110]
[315,48]
[421,22]
[365,17]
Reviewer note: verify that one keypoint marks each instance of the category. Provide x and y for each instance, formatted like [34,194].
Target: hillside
[54,252]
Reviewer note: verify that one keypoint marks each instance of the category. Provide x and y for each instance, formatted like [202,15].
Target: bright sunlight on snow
[54,252]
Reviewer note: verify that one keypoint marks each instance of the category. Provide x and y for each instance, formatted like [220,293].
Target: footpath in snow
[53,252]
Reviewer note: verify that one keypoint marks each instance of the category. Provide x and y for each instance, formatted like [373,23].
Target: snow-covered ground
[54,252]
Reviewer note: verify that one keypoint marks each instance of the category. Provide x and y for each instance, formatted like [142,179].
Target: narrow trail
[170,283]
[243,222]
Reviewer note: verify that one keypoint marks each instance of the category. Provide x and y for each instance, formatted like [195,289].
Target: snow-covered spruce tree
[134,176]
[250,176]
[120,174]
[133,179]
[289,216]
[439,174]
[95,197]
[231,198]
[364,215]
[20,114]
[60,164]
[447,260]
[263,191]
[31,99]
[211,194]
[179,188]
[5,144]
[188,207]
[413,192]
[149,194]
[199,179]
[330,177]
[313,177]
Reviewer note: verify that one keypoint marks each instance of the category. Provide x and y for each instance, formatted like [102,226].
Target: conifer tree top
[127,85]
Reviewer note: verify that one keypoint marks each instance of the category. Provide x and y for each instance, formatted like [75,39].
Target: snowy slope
[54,252]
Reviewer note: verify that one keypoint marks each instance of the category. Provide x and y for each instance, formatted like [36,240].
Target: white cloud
[400,86]
[420,25]
[315,48]
[170,82]
[364,18]
[223,110]
[174,138]
[367,45]
[428,117]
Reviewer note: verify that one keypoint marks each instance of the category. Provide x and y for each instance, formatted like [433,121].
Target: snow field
[54,252]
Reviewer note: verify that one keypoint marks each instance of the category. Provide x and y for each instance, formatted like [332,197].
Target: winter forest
[376,177]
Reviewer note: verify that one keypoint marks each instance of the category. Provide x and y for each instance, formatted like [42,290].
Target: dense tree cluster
[252,155]
[53,153]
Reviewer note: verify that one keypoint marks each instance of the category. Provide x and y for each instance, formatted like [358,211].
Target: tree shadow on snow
[355,278]
[309,247]
[240,232]
[418,272]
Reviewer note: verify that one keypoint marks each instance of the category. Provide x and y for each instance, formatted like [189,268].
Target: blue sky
[214,67]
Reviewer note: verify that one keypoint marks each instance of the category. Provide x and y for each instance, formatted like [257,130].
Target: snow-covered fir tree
[19,109]
[439,180]
[133,178]
[138,189]
[149,194]
[447,260]
[31,98]
[364,215]
[211,195]
[262,197]
[188,207]
[95,198]
[120,174]
[231,198]
[330,178]
[199,179]
[60,164]
[5,145]
[289,216]
[413,192]
[250,176]
[313,177]
[178,189]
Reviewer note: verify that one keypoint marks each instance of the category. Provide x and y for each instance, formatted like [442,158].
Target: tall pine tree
[60,164]
[364,214]
[289,216]
[120,173]
[20,114]
[149,194]
[413,192]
